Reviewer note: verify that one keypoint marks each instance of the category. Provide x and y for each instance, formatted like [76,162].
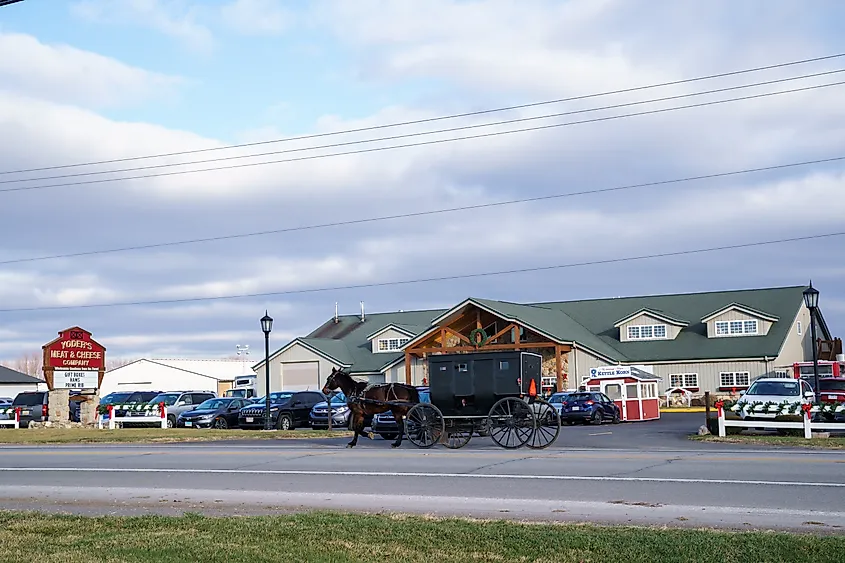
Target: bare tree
[114,363]
[29,363]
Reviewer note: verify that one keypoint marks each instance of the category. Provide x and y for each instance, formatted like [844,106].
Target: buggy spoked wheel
[424,425]
[458,438]
[547,428]
[511,422]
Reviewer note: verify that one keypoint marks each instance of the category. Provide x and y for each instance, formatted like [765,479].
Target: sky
[96,80]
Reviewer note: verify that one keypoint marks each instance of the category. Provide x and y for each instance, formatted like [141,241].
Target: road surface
[694,486]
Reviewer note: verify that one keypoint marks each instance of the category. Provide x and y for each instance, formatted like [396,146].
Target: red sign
[74,348]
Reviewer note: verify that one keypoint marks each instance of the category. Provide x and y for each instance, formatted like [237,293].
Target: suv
[288,410]
[127,397]
[775,390]
[177,402]
[35,407]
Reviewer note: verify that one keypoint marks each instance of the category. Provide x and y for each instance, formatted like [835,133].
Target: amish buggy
[494,393]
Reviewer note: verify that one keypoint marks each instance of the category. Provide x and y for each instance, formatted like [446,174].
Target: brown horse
[364,399]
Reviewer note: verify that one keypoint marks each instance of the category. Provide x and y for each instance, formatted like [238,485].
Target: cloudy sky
[94,80]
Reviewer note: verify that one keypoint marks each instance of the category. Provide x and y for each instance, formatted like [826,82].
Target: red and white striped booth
[634,391]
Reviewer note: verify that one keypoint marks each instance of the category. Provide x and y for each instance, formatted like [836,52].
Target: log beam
[558,369]
[408,368]
[563,347]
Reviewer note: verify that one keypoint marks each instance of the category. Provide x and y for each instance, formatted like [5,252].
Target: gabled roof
[660,315]
[742,308]
[407,330]
[10,376]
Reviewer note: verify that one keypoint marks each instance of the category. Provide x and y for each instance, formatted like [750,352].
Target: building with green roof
[716,341]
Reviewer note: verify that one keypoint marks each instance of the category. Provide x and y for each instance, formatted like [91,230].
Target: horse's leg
[357,423]
[398,415]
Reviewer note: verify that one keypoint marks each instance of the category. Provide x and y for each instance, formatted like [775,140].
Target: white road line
[411,474]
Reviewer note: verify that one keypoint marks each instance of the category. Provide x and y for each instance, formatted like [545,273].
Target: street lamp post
[811,300]
[266,326]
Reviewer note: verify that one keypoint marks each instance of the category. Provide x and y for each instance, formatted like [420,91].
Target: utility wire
[427,213]
[418,144]
[422,133]
[432,119]
[432,279]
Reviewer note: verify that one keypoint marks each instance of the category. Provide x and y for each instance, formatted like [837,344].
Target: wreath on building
[478,337]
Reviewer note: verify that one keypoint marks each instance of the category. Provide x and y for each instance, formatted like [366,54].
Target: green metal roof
[590,324]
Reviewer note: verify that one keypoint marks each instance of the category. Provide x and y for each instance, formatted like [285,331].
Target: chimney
[363,317]
[336,319]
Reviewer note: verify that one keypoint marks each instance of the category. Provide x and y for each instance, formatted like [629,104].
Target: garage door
[301,376]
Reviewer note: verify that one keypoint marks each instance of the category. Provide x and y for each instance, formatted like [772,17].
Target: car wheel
[616,419]
[596,418]
[387,436]
[220,423]
[285,422]
[171,421]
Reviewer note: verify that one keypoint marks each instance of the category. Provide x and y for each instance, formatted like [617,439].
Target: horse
[360,397]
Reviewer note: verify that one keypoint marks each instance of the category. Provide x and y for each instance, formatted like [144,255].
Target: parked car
[385,425]
[221,412]
[35,407]
[288,410]
[341,414]
[176,402]
[127,397]
[557,399]
[589,407]
[775,390]
[832,390]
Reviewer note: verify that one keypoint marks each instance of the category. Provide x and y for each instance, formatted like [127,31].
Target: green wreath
[474,340]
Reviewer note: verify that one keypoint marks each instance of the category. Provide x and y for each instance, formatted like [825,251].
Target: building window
[783,373]
[798,327]
[725,328]
[684,380]
[734,379]
[391,344]
[646,332]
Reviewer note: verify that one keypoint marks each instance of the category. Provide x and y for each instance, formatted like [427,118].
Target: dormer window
[733,328]
[646,332]
[391,344]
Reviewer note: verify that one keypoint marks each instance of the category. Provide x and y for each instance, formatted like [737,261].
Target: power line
[430,280]
[422,133]
[418,144]
[430,212]
[433,119]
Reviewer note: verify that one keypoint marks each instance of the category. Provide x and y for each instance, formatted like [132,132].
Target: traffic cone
[532,389]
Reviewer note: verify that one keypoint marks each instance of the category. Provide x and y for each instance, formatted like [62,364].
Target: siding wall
[296,353]
[396,374]
[646,319]
[734,315]
[797,347]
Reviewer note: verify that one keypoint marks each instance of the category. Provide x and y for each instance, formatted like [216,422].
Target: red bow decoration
[719,404]
[807,407]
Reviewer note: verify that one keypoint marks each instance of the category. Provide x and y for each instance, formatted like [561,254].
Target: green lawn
[151,435]
[338,538]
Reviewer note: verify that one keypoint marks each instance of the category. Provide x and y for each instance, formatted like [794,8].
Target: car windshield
[775,388]
[558,397]
[112,398]
[832,384]
[167,398]
[213,404]
[28,399]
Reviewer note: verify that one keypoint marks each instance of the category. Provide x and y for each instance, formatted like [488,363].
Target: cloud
[175,18]
[64,74]
[257,17]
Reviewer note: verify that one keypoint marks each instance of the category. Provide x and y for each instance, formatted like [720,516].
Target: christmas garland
[782,408]
[129,407]
[474,340]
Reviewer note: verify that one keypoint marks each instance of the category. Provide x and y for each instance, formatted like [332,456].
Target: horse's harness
[358,396]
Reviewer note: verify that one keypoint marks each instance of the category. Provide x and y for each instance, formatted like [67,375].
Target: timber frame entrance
[454,335]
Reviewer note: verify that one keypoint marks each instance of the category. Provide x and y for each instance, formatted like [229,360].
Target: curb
[683,409]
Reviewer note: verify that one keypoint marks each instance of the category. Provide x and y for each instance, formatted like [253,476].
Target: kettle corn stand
[633,390]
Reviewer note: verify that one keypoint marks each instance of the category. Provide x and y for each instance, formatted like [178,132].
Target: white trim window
[683,380]
[798,328]
[734,328]
[646,332]
[734,379]
[785,373]
[391,344]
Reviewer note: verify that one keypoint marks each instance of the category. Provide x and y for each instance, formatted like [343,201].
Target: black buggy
[488,392]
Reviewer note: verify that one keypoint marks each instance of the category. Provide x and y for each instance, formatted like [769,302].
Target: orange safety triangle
[532,389]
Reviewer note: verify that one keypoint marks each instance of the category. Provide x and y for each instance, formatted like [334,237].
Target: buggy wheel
[547,428]
[424,425]
[511,422]
[458,438]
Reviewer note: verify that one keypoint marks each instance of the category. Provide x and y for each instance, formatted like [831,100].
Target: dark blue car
[385,425]
[589,407]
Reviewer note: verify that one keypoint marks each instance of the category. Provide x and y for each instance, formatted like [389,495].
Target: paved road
[689,486]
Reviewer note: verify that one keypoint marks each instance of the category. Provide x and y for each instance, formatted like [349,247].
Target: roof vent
[363,317]
[336,319]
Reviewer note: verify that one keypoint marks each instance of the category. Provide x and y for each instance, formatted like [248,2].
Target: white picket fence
[152,413]
[15,421]
[806,423]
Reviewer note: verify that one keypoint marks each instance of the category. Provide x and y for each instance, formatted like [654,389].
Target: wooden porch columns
[407,367]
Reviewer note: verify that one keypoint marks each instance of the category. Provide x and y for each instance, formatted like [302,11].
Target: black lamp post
[811,300]
[266,326]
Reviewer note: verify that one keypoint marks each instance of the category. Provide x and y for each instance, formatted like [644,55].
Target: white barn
[13,382]
[215,375]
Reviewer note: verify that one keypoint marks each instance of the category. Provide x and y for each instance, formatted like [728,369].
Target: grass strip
[152,435]
[832,443]
[338,538]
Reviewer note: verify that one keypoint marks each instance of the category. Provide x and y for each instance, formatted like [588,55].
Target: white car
[776,390]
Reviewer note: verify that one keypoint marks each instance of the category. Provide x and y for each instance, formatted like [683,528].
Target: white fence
[14,422]
[152,413]
[806,423]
